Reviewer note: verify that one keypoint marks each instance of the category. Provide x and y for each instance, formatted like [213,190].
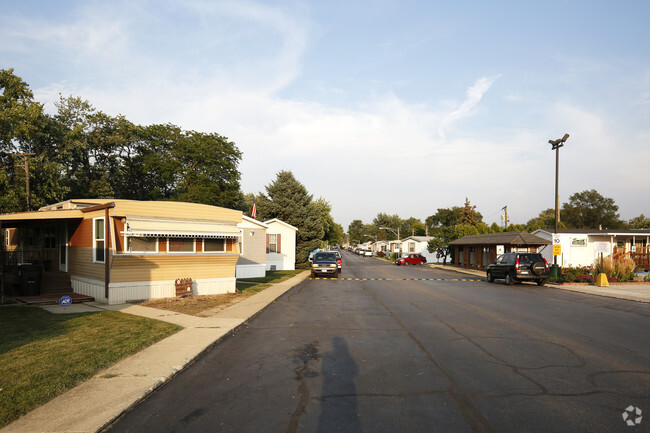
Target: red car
[411,259]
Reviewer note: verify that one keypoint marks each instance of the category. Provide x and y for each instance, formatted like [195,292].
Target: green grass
[42,355]
[253,285]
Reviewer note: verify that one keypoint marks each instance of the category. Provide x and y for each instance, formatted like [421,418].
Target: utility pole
[556,145]
[25,165]
[505,218]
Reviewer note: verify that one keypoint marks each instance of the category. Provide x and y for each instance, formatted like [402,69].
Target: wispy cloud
[474,96]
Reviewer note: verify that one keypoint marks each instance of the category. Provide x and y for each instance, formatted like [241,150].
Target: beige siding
[156,267]
[254,246]
[80,263]
[170,209]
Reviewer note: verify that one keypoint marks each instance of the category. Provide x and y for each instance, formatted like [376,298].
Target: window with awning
[176,228]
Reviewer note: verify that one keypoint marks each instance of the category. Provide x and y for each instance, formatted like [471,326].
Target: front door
[63,247]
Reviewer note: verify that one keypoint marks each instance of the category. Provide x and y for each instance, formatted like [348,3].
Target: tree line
[584,210]
[80,152]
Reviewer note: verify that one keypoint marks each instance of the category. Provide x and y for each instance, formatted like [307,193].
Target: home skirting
[119,293]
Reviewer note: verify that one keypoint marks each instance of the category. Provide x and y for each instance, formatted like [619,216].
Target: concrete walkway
[95,403]
[633,292]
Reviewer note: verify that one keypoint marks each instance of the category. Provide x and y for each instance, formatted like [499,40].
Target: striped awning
[177,228]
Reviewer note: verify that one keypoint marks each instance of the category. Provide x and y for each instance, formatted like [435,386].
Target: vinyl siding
[155,267]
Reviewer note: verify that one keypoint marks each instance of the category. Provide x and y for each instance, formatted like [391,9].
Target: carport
[478,251]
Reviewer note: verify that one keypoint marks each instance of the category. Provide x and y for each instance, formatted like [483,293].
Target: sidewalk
[95,403]
[632,292]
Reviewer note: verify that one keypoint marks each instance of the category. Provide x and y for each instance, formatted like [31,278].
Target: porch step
[55,283]
[52,299]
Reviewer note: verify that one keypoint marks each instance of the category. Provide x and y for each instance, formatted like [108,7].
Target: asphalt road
[412,349]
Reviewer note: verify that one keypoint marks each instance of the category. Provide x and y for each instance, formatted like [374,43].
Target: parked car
[367,253]
[339,260]
[324,263]
[516,267]
[411,259]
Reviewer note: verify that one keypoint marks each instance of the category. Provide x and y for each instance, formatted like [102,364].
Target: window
[411,247]
[273,242]
[180,245]
[214,245]
[49,236]
[98,240]
[138,244]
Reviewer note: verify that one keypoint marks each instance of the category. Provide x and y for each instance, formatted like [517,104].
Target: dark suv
[515,267]
[325,263]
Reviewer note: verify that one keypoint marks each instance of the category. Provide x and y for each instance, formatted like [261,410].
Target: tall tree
[590,210]
[356,231]
[333,232]
[26,128]
[470,215]
[640,222]
[445,217]
[287,199]
[393,222]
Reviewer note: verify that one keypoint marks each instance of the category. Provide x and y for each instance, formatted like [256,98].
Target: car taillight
[338,262]
[546,263]
[517,263]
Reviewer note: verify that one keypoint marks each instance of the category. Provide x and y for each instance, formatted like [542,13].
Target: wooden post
[107,241]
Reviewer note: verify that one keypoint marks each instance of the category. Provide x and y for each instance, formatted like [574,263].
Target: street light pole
[556,144]
[393,230]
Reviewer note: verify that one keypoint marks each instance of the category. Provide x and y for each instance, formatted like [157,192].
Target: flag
[254,210]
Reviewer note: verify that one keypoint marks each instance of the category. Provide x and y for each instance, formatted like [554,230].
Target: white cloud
[474,96]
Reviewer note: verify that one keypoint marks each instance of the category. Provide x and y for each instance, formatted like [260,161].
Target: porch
[640,255]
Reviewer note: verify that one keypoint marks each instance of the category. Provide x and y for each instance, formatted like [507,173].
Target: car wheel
[538,268]
[313,275]
[508,280]
[406,263]
[336,275]
[490,277]
[540,282]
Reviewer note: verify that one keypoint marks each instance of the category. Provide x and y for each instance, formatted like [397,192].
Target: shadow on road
[339,396]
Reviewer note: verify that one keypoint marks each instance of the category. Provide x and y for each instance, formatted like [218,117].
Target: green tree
[333,232]
[445,217]
[545,220]
[288,200]
[355,231]
[640,222]
[590,210]
[26,128]
[470,215]
[393,222]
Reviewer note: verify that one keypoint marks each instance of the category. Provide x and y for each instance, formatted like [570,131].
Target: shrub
[647,278]
[584,278]
[621,270]
[569,274]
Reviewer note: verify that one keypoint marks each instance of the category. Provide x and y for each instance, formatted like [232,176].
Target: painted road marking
[397,279]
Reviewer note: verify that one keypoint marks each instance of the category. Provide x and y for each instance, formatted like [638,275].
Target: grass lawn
[42,355]
[210,304]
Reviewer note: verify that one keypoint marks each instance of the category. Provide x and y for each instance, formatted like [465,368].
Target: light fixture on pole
[396,232]
[555,145]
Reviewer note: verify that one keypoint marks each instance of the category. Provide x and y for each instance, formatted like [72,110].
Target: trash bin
[30,276]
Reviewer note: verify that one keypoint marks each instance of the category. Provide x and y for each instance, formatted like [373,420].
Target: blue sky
[400,107]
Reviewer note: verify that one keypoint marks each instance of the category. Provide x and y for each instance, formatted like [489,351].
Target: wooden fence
[641,256]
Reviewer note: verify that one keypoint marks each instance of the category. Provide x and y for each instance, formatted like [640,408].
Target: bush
[569,274]
[622,270]
[647,278]
[584,278]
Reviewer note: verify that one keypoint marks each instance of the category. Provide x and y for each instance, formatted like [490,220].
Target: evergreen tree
[288,200]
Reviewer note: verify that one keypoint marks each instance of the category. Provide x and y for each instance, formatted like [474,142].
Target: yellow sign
[557,250]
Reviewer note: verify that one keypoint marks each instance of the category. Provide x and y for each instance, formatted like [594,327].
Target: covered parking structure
[478,251]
